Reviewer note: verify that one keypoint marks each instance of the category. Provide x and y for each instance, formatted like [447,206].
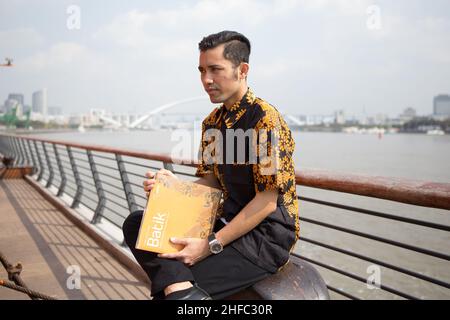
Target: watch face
[216,247]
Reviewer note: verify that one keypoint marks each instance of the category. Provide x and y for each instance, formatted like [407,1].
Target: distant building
[75,120]
[26,108]
[441,106]
[339,117]
[408,114]
[54,111]
[18,97]
[380,119]
[313,120]
[10,104]
[39,102]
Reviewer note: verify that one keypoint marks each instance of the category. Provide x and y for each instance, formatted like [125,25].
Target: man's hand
[194,250]
[150,182]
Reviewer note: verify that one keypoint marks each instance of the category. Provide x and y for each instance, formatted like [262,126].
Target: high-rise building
[339,116]
[441,105]
[17,96]
[39,102]
[10,104]
[55,111]
[408,114]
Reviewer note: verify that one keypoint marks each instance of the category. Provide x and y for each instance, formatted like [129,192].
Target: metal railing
[108,181]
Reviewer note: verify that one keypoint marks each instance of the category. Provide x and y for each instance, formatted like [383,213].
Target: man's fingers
[169,255]
[164,172]
[148,186]
[150,174]
[149,182]
[181,241]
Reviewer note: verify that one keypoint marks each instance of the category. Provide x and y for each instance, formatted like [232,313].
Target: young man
[258,224]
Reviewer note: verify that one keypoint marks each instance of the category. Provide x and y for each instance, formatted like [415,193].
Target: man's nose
[207,80]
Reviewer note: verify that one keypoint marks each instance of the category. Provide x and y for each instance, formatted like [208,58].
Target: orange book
[180,209]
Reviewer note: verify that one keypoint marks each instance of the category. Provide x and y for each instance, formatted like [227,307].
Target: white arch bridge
[138,123]
[143,119]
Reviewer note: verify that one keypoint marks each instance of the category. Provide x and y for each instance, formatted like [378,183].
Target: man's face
[219,77]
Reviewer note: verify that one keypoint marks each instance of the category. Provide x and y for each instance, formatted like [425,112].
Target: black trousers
[220,275]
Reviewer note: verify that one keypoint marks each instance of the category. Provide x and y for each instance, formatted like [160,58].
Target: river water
[409,156]
[412,156]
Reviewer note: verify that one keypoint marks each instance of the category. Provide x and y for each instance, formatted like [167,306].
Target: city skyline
[58,110]
[324,55]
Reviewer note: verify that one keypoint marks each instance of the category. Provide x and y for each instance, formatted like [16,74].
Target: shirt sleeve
[274,168]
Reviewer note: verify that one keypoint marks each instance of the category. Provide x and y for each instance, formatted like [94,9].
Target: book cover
[177,208]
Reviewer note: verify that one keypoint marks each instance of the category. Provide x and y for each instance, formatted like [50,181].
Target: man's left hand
[194,250]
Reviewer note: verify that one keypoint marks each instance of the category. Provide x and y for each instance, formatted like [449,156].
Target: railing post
[32,157]
[61,171]
[8,146]
[27,157]
[168,166]
[17,152]
[2,143]
[11,148]
[41,165]
[76,175]
[22,157]
[17,144]
[126,184]
[5,145]
[98,186]
[50,169]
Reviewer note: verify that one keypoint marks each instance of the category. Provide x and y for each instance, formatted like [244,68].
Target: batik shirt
[263,162]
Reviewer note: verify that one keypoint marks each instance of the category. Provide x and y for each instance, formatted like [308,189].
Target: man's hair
[237,47]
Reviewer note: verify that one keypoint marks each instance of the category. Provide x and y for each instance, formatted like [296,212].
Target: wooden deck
[36,234]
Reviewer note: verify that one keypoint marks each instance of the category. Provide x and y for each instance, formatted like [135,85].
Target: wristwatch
[214,245]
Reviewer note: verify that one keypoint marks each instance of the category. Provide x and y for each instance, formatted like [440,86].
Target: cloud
[126,30]
[137,28]
[60,56]
[342,7]
[19,39]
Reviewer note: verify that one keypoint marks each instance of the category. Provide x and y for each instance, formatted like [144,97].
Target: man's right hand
[150,182]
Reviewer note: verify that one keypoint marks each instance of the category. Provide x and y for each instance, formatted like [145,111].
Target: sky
[309,57]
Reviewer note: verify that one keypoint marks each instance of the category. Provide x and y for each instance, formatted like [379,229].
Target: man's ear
[243,70]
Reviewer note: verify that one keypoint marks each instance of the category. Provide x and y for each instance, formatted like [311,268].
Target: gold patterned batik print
[279,155]
[274,170]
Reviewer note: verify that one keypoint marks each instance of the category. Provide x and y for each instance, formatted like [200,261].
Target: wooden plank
[48,247]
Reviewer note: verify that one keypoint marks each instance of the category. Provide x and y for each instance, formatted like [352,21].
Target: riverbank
[348,130]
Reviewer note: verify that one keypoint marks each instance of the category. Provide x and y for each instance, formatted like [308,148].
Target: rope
[29,292]
[18,284]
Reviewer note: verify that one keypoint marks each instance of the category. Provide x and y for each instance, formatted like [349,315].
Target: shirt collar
[238,109]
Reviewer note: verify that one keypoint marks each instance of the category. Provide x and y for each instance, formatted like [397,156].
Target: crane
[10,117]
[8,63]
